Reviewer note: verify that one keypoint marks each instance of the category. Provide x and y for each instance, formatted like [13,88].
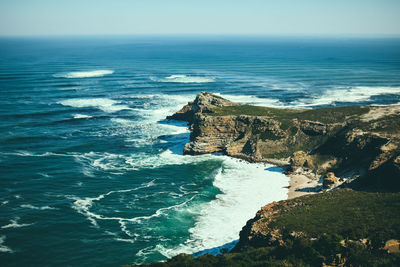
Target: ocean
[93,174]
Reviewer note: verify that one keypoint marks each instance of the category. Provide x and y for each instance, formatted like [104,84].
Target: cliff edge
[335,143]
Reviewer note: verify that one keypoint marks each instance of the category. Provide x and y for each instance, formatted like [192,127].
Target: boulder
[329,180]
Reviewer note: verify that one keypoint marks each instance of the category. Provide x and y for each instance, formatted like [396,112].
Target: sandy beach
[300,185]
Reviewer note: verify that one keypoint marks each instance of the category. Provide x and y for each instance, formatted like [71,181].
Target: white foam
[82,116]
[83,206]
[14,224]
[24,153]
[105,104]
[252,100]
[84,74]
[4,248]
[125,240]
[347,94]
[246,187]
[184,79]
[29,206]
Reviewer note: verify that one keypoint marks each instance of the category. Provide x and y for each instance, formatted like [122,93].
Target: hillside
[338,228]
[353,147]
[351,142]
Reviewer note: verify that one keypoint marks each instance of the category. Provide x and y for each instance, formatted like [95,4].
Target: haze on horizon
[251,17]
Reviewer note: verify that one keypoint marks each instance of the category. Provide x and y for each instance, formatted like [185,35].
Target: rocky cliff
[351,142]
[340,227]
[311,216]
[337,228]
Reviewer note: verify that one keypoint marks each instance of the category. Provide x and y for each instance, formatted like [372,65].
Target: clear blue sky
[269,17]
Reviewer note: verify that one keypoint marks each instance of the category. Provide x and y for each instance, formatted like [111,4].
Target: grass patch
[324,115]
[328,218]
[344,212]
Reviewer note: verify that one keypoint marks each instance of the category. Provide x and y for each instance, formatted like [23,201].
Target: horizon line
[316,35]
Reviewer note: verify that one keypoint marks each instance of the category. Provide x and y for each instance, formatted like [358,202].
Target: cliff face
[334,212]
[337,228]
[361,141]
[204,103]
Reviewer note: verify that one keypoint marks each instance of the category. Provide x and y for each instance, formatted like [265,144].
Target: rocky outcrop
[257,232]
[280,222]
[339,140]
[329,180]
[185,114]
[203,103]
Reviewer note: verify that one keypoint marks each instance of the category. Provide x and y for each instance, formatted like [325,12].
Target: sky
[248,17]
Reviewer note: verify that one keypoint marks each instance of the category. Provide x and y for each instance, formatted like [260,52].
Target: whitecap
[105,104]
[4,248]
[14,224]
[82,116]
[184,79]
[252,100]
[347,95]
[44,174]
[83,205]
[125,240]
[29,206]
[24,153]
[84,74]
[245,187]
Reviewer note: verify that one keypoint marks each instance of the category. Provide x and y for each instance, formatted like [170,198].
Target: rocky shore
[330,146]
[322,150]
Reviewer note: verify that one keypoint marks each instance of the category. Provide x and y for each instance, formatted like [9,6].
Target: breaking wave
[347,95]
[104,104]
[84,74]
[183,79]
[253,100]
[14,224]
[82,116]
[4,248]
[245,188]
[29,206]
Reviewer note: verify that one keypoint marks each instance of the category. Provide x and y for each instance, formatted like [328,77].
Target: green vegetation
[324,115]
[297,253]
[348,213]
[340,227]
[331,225]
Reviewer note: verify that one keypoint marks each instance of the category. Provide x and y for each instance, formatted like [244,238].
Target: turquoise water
[93,174]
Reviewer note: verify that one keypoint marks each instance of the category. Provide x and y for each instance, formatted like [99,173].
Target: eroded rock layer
[346,141]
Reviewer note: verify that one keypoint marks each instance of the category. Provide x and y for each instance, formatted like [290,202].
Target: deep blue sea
[91,173]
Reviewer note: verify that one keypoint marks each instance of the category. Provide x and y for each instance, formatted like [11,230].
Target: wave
[29,206]
[4,248]
[184,79]
[23,153]
[252,100]
[83,205]
[245,187]
[14,224]
[104,104]
[347,95]
[84,74]
[82,116]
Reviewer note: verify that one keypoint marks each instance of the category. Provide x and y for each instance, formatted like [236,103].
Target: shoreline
[300,185]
